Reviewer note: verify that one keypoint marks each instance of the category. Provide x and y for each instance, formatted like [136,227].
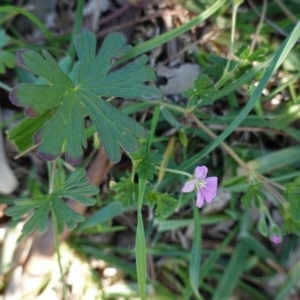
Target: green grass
[244,139]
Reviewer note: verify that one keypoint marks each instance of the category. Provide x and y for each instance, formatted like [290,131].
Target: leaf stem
[233,23]
[259,26]
[225,74]
[5,87]
[169,105]
[153,127]
[56,243]
[195,260]
[140,243]
[266,182]
[175,171]
[51,173]
[224,145]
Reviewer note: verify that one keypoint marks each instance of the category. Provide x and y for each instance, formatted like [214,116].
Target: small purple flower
[276,239]
[206,187]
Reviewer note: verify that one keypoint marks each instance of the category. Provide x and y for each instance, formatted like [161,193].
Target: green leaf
[243,52]
[253,193]
[81,92]
[258,55]
[140,254]
[290,211]
[204,89]
[59,179]
[76,187]
[291,226]
[21,134]
[247,198]
[262,226]
[126,192]
[145,162]
[292,191]
[183,138]
[293,187]
[275,230]
[7,59]
[4,38]
[165,204]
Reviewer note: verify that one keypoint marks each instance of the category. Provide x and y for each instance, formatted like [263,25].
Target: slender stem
[5,87]
[140,243]
[169,105]
[153,127]
[286,11]
[133,172]
[233,23]
[223,78]
[224,146]
[56,242]
[259,26]
[175,171]
[51,175]
[274,192]
[276,184]
[266,182]
[268,21]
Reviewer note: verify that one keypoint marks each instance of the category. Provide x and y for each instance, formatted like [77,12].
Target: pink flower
[206,187]
[276,239]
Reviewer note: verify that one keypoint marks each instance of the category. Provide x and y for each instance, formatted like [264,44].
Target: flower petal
[211,184]
[200,198]
[276,239]
[208,196]
[189,186]
[200,172]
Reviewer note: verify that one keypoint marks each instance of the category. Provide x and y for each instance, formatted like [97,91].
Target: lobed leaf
[126,192]
[203,89]
[292,191]
[76,187]
[165,204]
[79,92]
[145,162]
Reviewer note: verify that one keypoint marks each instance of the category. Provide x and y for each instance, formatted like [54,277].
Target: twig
[249,129]
[271,23]
[135,22]
[224,145]
[287,12]
[114,14]
[111,29]
[202,40]
[259,27]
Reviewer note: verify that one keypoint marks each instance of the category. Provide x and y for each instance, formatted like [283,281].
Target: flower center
[201,183]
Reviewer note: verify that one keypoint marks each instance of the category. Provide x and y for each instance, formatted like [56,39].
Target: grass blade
[195,260]
[236,264]
[277,60]
[292,279]
[233,271]
[140,243]
[102,215]
[31,17]
[172,34]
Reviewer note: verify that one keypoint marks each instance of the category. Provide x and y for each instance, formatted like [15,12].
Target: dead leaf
[8,181]
[178,79]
